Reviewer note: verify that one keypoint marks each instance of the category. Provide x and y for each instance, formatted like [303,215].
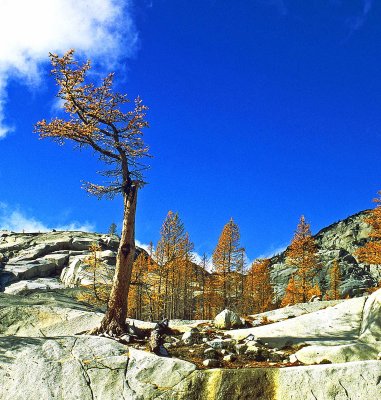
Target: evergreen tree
[292,293]
[112,229]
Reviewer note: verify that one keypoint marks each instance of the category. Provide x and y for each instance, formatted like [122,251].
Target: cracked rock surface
[42,358]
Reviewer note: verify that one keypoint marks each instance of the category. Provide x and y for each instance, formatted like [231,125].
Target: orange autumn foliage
[370,253]
[302,254]
[258,292]
[335,279]
[227,260]
[97,119]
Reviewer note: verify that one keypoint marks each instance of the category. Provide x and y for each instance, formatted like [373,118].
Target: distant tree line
[169,281]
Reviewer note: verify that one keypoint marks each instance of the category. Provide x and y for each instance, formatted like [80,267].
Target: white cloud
[16,221]
[273,251]
[102,30]
[144,246]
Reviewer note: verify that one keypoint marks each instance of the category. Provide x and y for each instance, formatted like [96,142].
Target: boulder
[65,368]
[46,360]
[219,344]
[354,380]
[227,319]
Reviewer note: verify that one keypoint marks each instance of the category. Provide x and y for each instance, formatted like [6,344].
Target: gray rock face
[36,284]
[31,256]
[338,241]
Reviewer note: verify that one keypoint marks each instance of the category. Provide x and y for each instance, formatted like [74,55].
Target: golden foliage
[97,121]
[98,292]
[335,279]
[370,253]
[228,258]
[258,292]
[302,254]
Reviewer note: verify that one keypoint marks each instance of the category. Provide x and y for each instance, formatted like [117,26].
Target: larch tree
[334,281]
[97,120]
[174,257]
[302,254]
[226,260]
[98,292]
[138,300]
[292,293]
[370,253]
[259,293]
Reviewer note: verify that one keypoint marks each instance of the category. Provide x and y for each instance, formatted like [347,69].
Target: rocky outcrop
[338,241]
[25,258]
[356,380]
[90,368]
[349,331]
[43,357]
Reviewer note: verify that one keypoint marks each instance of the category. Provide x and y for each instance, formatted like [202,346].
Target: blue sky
[260,110]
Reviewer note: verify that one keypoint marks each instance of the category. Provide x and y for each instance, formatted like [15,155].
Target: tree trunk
[114,321]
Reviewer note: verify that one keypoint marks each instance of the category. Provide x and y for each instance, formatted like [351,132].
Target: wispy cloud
[356,22]
[102,30]
[273,251]
[13,219]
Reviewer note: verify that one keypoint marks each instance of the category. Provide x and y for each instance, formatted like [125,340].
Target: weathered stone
[39,283]
[240,348]
[32,256]
[342,322]
[210,353]
[192,337]
[211,363]
[230,358]
[148,375]
[293,311]
[252,349]
[222,343]
[227,319]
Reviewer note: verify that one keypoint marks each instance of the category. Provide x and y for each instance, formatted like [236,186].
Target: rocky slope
[337,241]
[37,260]
[44,356]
